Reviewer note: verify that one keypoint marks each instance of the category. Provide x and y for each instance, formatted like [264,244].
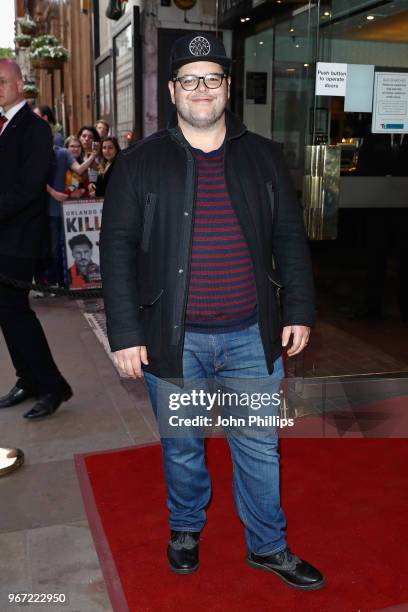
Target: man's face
[203,107]
[11,87]
[82,254]
[102,130]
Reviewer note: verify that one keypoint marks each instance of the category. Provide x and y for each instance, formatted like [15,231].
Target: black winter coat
[147,233]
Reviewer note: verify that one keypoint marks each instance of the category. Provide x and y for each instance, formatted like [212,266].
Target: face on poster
[82,224]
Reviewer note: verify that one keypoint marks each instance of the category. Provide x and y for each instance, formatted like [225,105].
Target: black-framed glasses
[190,82]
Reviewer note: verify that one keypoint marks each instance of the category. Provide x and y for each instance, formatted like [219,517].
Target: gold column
[321,189]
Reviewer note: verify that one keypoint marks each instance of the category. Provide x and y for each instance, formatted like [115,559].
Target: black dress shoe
[182,551]
[292,570]
[15,396]
[47,404]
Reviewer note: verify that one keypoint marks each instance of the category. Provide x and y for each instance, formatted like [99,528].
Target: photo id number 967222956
[37,598]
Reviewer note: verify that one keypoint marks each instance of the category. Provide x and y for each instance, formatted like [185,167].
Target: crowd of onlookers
[90,141]
[82,166]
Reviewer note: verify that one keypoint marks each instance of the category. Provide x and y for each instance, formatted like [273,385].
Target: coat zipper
[148,220]
[191,185]
[271,192]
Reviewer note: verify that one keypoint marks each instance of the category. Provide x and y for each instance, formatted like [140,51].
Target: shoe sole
[313,587]
[17,403]
[184,571]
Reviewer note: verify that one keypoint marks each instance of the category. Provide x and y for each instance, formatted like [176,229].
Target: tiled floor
[45,540]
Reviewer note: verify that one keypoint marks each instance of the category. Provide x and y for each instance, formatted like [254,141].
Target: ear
[171,86]
[20,86]
[228,87]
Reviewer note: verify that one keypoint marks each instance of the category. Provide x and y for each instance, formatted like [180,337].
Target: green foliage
[47,46]
[31,89]
[46,40]
[23,40]
[7,53]
[57,52]
[27,23]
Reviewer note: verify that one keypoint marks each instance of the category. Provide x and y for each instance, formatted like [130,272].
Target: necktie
[3,120]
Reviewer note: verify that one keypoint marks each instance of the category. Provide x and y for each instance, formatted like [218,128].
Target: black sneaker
[182,551]
[292,570]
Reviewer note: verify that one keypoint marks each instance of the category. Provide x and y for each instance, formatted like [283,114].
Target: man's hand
[57,195]
[77,193]
[301,335]
[96,147]
[60,196]
[130,360]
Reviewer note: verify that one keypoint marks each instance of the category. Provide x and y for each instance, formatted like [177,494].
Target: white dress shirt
[10,113]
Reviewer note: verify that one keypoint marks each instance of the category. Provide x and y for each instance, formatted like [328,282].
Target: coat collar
[235,127]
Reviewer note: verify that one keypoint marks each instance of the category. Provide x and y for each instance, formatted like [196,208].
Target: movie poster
[82,225]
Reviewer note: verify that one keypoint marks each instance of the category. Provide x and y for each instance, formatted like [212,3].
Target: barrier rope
[73,294]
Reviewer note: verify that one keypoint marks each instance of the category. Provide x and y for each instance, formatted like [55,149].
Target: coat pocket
[149,299]
[276,285]
[150,309]
[271,194]
[274,278]
[149,209]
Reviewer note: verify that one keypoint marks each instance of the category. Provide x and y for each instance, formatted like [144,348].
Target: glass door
[361,274]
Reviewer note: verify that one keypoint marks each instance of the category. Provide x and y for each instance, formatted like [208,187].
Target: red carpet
[346,503]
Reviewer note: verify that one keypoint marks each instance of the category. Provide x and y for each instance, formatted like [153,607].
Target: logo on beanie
[199,46]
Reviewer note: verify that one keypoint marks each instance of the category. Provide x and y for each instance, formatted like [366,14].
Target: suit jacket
[26,153]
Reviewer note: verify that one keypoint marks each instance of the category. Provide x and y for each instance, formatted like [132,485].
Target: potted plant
[46,52]
[30,90]
[23,40]
[45,40]
[27,25]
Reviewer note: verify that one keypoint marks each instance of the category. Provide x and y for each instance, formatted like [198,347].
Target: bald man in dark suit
[26,153]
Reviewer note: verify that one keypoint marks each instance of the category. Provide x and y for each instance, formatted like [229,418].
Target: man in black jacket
[201,230]
[25,159]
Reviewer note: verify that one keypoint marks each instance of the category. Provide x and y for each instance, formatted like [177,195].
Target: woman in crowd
[56,185]
[76,186]
[90,139]
[110,149]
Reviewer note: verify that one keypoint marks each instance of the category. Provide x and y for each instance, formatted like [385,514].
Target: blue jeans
[232,361]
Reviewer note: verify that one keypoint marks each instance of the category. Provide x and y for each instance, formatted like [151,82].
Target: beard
[201,121]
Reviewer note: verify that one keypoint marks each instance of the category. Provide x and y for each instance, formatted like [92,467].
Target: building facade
[131,60]
[68,90]
[118,63]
